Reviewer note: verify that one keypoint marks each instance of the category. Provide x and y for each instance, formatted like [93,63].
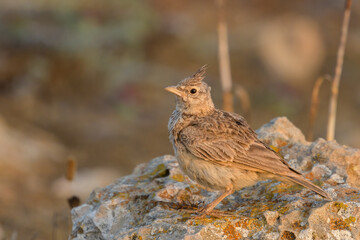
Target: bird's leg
[208,208]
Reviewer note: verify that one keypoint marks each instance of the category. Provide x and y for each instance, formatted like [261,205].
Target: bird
[218,149]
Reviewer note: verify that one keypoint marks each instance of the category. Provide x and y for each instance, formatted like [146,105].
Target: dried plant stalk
[338,70]
[224,58]
[242,94]
[314,107]
[71,168]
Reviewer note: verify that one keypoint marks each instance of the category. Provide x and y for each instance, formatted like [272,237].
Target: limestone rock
[271,217]
[280,131]
[156,201]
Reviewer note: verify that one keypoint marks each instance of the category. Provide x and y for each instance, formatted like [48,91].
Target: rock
[271,217]
[344,160]
[336,221]
[337,178]
[156,201]
[320,170]
[279,132]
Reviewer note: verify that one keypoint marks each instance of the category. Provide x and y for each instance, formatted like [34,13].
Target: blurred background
[84,80]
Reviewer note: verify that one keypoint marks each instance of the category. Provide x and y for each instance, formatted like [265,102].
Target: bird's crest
[199,75]
[196,78]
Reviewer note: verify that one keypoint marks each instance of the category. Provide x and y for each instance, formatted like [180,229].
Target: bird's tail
[306,183]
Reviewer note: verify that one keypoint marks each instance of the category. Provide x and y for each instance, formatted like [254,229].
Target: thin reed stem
[338,70]
[224,58]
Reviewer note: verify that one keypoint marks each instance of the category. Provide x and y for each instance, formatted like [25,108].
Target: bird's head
[193,95]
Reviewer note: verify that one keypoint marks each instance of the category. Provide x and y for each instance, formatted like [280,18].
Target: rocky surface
[156,201]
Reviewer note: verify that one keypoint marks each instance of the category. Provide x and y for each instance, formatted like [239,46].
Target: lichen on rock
[157,200]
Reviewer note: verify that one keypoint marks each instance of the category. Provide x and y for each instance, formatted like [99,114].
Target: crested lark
[218,149]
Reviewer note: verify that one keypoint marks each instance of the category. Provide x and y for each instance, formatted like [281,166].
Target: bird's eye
[193,91]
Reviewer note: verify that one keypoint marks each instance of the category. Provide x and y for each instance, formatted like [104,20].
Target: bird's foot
[202,213]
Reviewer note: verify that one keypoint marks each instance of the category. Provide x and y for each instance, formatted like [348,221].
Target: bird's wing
[229,141]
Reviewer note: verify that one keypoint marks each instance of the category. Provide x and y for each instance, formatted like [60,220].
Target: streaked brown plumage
[218,149]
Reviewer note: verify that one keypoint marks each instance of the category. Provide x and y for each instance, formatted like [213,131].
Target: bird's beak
[174,90]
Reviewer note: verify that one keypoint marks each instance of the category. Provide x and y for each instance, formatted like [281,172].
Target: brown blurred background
[85,79]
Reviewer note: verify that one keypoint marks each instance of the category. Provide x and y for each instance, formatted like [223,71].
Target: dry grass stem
[338,70]
[242,94]
[224,58]
[314,107]
[314,104]
[71,168]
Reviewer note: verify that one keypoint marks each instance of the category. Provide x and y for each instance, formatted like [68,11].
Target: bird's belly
[215,176]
